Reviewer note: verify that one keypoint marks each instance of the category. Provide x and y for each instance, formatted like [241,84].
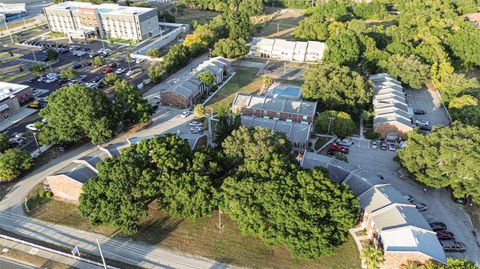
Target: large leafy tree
[314,27]
[373,257]
[337,88]
[464,44]
[131,105]
[446,157]
[176,57]
[4,142]
[371,10]
[410,69]
[227,122]
[74,112]
[343,49]
[207,78]
[230,48]
[156,72]
[69,73]
[303,210]
[465,109]
[338,122]
[13,162]
[239,25]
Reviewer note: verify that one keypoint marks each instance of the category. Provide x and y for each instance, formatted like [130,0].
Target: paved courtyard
[430,102]
[441,207]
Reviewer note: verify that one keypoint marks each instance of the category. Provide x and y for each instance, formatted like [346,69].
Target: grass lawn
[188,15]
[16,24]
[321,140]
[245,81]
[202,238]
[283,25]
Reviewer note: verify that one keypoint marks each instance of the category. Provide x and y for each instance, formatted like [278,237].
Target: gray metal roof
[379,197]
[77,171]
[295,132]
[277,104]
[395,216]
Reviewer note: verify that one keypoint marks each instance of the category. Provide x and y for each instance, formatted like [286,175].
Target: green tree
[314,27]
[263,199]
[13,162]
[435,159]
[199,111]
[337,88]
[69,73]
[239,25]
[230,48]
[130,103]
[208,79]
[343,49]
[74,112]
[373,10]
[340,123]
[4,143]
[410,70]
[465,109]
[98,61]
[110,79]
[373,257]
[37,69]
[267,81]
[452,84]
[336,10]
[51,54]
[156,72]
[226,124]
[176,57]
[154,53]
[464,44]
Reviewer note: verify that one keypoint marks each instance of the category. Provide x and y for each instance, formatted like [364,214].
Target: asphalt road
[10,264]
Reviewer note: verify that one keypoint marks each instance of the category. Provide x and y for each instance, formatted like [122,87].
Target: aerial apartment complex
[283,50]
[82,19]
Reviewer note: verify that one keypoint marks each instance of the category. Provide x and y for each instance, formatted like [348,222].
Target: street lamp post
[329,123]
[34,57]
[101,255]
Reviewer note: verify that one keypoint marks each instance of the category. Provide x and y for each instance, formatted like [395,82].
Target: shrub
[372,135]
[48,194]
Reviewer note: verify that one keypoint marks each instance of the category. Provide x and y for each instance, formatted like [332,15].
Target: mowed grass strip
[203,238]
[245,81]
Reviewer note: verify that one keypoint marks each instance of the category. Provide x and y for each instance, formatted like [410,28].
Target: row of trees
[253,178]
[75,111]
[249,7]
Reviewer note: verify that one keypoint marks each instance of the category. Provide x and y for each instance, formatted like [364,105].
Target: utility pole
[9,32]
[329,123]
[34,57]
[278,28]
[101,255]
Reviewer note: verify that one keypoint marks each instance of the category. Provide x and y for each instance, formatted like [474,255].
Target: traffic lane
[11,264]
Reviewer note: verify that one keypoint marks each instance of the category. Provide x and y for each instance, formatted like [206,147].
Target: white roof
[413,240]
[8,90]
[12,8]
[105,8]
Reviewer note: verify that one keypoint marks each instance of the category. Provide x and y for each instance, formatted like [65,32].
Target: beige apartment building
[83,19]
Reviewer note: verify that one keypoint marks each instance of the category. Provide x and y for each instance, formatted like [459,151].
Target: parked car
[17,140]
[138,61]
[129,73]
[383,145]
[374,144]
[453,246]
[336,147]
[421,207]
[107,70]
[186,113]
[77,66]
[425,128]
[392,147]
[196,130]
[344,142]
[31,127]
[195,124]
[438,226]
[419,112]
[445,235]
[112,65]
[409,198]
[120,70]
[34,105]
[421,122]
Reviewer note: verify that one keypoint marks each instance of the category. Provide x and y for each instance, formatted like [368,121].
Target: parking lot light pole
[329,123]
[34,57]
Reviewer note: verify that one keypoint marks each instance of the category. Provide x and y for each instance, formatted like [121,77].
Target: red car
[339,148]
[445,235]
[107,70]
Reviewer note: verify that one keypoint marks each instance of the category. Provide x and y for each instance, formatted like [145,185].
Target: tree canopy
[343,49]
[129,102]
[337,88]
[339,122]
[13,162]
[446,157]
[410,70]
[74,112]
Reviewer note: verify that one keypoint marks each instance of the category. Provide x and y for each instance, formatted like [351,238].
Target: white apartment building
[83,19]
[283,50]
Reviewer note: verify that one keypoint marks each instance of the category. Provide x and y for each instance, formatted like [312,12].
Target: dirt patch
[283,25]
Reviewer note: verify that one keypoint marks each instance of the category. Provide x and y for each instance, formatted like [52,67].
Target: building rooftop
[12,8]
[379,197]
[105,8]
[274,104]
[295,132]
[77,171]
[394,216]
[9,90]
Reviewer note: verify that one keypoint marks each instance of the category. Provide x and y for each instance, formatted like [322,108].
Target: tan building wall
[396,260]
[65,188]
[392,128]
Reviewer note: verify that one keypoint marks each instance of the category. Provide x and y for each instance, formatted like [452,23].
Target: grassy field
[202,238]
[189,15]
[245,81]
[283,25]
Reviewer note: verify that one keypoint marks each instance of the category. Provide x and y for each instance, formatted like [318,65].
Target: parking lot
[429,102]
[440,205]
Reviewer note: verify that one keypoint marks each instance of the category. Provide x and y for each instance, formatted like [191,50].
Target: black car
[425,128]
[438,226]
[76,66]
[419,112]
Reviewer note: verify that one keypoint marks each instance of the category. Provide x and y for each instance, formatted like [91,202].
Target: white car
[138,61]
[344,142]
[422,122]
[119,71]
[374,144]
[185,114]
[195,124]
[129,73]
[31,127]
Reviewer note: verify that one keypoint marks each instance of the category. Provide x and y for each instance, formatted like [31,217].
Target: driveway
[430,102]
[441,207]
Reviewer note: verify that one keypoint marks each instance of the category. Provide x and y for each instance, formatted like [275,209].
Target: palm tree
[373,257]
